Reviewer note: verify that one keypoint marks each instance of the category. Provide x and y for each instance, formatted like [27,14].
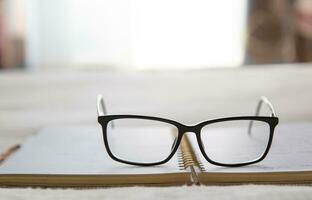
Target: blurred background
[150,34]
[56,56]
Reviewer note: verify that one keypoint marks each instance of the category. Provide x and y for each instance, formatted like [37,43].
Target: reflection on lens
[141,140]
[229,142]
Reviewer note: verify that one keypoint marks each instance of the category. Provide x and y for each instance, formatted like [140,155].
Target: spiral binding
[187,157]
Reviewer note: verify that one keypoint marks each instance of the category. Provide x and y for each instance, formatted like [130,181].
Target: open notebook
[76,157]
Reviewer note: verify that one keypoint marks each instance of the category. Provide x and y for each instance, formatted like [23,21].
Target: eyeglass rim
[272,121]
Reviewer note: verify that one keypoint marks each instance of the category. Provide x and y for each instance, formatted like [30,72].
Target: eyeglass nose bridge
[190,129]
[195,130]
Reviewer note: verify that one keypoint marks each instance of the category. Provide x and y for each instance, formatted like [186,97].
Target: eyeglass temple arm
[263,100]
[101,108]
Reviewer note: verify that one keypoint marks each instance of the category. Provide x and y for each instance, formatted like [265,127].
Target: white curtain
[140,34]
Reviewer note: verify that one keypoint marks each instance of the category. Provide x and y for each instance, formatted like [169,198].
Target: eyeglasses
[146,140]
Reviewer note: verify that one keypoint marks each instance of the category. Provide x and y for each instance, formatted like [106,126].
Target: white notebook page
[75,150]
[291,150]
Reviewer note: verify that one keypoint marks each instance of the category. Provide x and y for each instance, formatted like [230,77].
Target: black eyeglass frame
[272,121]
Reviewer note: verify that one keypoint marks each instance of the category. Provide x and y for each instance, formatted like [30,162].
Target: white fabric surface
[30,101]
[250,192]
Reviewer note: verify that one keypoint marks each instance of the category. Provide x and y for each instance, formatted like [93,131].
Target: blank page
[291,150]
[75,150]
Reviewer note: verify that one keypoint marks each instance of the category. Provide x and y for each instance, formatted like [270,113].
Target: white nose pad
[174,143]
